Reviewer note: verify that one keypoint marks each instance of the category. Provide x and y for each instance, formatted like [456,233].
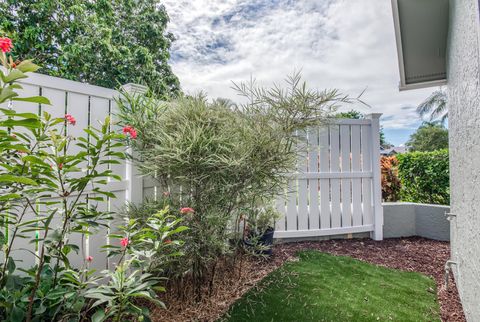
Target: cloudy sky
[344,44]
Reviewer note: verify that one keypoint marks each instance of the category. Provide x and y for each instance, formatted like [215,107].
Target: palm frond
[435,106]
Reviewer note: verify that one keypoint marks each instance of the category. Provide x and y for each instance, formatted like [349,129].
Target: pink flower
[167,241]
[124,242]
[89,259]
[70,119]
[186,210]
[130,130]
[6,44]
[166,193]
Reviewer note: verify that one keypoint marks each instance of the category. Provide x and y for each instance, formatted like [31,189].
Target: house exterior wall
[463,70]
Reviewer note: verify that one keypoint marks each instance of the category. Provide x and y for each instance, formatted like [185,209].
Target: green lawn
[322,287]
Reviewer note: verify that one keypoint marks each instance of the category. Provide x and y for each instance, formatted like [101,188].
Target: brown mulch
[408,254]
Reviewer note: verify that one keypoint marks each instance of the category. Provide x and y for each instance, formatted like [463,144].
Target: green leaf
[11,265]
[16,179]
[34,160]
[28,123]
[27,66]
[2,239]
[10,196]
[16,114]
[6,94]
[99,316]
[17,314]
[14,75]
[33,99]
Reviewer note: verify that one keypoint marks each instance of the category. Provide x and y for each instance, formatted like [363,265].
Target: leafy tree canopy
[429,137]
[354,114]
[103,42]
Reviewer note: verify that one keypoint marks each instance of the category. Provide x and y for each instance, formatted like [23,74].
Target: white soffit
[421,31]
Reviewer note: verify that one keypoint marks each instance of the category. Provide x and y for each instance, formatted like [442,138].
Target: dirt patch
[408,254]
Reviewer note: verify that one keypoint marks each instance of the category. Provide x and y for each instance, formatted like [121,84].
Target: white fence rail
[336,188]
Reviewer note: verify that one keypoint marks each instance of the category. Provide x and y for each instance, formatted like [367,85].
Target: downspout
[450,262]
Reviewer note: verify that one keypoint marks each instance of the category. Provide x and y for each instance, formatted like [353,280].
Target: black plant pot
[265,240]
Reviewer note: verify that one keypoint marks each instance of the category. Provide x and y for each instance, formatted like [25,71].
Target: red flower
[124,242]
[89,259]
[186,210]
[6,44]
[70,119]
[130,130]
[60,166]
[167,241]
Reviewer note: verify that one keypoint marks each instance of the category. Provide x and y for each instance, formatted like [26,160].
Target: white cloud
[347,45]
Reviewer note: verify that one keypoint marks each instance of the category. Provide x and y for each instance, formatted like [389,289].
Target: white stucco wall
[464,124]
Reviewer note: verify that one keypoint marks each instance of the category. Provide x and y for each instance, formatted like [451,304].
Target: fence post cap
[374,115]
[132,88]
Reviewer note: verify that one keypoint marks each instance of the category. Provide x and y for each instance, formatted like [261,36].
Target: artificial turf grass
[322,287]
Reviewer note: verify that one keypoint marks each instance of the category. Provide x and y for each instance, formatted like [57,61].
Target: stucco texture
[463,72]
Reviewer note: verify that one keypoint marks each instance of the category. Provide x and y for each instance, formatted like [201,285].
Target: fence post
[134,177]
[376,180]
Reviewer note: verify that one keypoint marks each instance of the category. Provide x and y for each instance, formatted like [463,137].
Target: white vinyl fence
[336,188]
[89,105]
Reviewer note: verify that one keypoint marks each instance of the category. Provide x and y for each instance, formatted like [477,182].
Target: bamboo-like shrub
[227,158]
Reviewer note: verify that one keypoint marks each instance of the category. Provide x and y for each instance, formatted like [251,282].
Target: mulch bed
[408,254]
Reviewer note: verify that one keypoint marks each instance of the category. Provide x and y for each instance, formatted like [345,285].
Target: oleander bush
[47,194]
[228,159]
[424,177]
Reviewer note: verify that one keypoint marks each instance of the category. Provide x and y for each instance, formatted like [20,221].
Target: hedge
[424,177]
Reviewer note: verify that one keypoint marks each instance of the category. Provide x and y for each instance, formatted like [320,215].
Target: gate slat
[292,205]
[96,240]
[335,183]
[346,189]
[356,183]
[115,204]
[119,169]
[302,184]
[280,206]
[324,156]
[99,109]
[365,147]
[314,211]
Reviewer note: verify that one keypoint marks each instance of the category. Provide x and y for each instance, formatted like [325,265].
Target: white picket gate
[336,188]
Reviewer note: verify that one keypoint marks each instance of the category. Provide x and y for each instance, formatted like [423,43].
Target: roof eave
[398,39]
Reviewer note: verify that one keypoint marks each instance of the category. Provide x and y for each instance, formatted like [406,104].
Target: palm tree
[435,106]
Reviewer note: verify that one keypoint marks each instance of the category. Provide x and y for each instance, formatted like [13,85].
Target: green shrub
[226,158]
[36,164]
[424,177]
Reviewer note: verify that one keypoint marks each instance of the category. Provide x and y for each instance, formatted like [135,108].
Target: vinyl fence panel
[343,180]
